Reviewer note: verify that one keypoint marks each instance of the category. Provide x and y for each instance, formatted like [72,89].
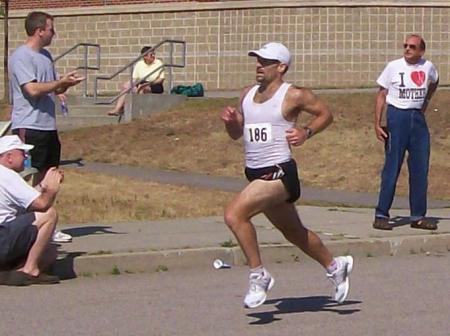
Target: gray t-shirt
[25,66]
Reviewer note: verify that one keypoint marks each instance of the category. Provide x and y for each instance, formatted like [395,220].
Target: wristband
[309,132]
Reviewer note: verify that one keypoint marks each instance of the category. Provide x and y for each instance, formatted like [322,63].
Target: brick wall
[30,4]
[332,46]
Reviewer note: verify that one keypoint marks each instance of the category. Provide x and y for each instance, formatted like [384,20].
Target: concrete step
[85,110]
[80,100]
[84,113]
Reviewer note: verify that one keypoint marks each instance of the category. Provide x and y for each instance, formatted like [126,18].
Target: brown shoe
[14,278]
[424,224]
[381,223]
[19,278]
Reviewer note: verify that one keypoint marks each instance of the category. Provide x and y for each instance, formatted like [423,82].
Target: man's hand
[380,133]
[296,137]
[48,188]
[71,79]
[229,115]
[52,180]
[233,121]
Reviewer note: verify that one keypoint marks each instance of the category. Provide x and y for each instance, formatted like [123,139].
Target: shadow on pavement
[90,230]
[302,305]
[64,267]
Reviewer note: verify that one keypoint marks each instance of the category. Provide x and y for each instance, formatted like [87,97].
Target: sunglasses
[267,62]
[410,46]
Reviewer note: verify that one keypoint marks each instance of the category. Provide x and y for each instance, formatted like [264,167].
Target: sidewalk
[166,244]
[186,243]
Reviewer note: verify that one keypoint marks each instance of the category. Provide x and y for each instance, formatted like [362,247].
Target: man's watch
[309,132]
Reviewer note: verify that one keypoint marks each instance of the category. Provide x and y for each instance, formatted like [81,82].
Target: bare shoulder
[300,96]
[243,94]
[245,90]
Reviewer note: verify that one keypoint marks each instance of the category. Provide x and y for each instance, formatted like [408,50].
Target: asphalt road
[389,296]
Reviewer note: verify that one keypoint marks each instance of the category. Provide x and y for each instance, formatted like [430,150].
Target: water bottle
[64,108]
[27,162]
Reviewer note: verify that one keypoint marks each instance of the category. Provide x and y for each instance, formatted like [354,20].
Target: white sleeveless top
[265,129]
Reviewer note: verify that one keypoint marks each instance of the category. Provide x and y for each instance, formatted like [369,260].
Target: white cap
[273,51]
[10,142]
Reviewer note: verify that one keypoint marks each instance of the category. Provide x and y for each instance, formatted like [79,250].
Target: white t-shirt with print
[407,84]
[16,195]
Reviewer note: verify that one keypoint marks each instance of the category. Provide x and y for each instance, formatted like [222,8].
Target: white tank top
[265,129]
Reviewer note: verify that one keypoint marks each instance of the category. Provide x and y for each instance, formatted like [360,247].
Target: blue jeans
[408,131]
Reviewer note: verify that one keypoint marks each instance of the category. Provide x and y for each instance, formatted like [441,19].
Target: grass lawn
[192,138]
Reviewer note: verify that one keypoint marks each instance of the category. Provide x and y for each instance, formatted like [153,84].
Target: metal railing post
[171,68]
[85,71]
[85,65]
[131,64]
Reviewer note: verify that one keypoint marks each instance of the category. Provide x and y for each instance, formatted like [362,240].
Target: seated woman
[151,84]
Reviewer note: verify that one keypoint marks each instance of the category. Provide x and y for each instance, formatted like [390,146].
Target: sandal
[114,114]
[424,224]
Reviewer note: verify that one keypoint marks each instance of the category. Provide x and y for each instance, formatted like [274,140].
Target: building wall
[332,46]
[30,4]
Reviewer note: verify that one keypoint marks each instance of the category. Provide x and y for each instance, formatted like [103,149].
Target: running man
[266,118]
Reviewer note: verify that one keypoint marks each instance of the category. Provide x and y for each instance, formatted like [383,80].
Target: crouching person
[27,218]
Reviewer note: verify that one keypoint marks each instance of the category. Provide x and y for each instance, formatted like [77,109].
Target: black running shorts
[286,171]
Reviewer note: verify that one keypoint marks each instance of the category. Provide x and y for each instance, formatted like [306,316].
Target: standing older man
[406,85]
[27,218]
[266,118]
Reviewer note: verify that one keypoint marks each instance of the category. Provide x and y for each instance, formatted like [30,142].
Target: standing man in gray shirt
[33,85]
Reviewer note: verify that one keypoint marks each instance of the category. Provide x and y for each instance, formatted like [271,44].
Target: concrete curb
[153,261]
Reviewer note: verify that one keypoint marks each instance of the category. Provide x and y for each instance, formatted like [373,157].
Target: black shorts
[47,148]
[155,88]
[16,239]
[286,171]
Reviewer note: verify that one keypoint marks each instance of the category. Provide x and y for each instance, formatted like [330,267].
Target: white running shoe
[257,292]
[61,237]
[340,279]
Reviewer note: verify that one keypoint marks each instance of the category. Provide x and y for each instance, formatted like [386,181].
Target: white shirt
[265,129]
[407,84]
[16,195]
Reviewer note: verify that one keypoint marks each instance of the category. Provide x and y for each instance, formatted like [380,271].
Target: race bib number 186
[258,133]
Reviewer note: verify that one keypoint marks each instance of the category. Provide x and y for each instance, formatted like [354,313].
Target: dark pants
[47,147]
[408,131]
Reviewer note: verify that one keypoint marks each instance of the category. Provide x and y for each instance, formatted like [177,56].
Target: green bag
[195,90]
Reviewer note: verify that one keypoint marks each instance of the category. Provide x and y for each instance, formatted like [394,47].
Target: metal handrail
[85,65]
[131,64]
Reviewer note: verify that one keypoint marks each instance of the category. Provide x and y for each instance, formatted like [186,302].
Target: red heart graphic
[418,77]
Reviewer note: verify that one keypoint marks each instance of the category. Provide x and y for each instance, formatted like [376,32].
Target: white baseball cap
[10,142]
[273,51]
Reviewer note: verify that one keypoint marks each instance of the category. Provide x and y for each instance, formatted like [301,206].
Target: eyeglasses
[24,153]
[410,46]
[267,62]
